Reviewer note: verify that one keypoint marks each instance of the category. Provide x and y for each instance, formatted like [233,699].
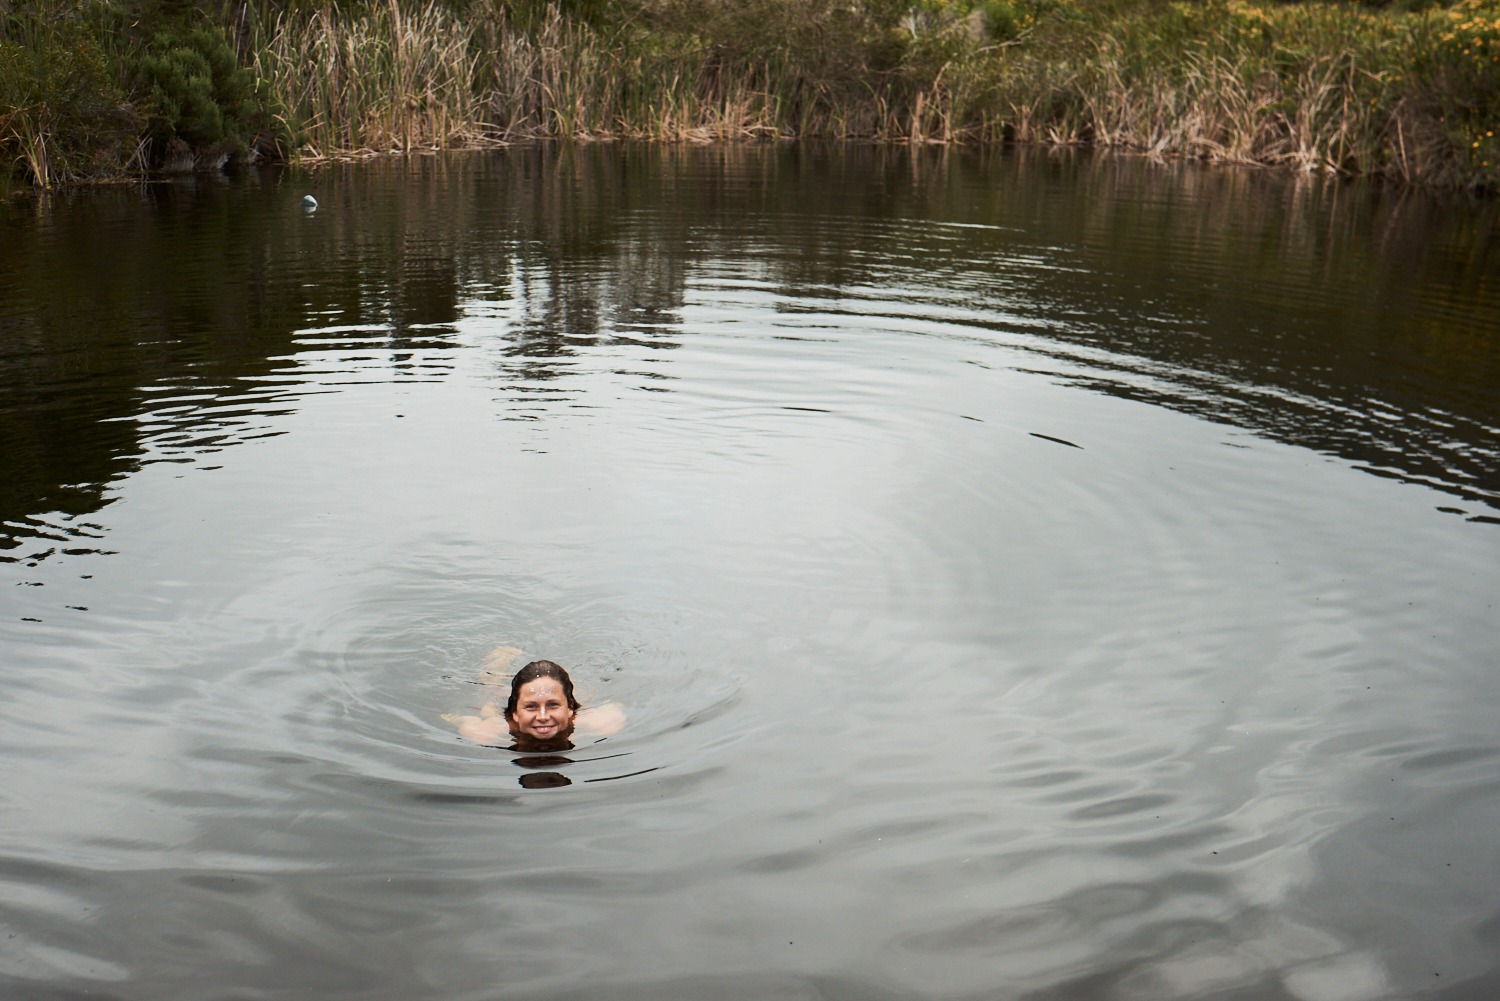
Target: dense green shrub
[192,88]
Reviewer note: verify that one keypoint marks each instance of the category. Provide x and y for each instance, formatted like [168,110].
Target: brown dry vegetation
[1409,95]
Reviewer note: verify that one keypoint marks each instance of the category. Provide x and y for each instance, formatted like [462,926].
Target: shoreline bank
[1406,96]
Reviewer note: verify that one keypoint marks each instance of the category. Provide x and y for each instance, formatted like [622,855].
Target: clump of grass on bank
[392,76]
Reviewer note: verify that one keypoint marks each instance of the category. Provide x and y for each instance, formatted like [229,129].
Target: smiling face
[542,711]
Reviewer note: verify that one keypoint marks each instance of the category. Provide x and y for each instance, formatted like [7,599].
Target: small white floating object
[310,203]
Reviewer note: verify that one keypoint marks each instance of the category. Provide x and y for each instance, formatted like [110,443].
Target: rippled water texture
[1026,577]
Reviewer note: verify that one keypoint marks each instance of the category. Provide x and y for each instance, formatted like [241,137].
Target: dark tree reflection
[165,323]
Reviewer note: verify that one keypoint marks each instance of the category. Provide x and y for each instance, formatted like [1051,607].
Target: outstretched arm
[604,720]
[490,726]
[491,730]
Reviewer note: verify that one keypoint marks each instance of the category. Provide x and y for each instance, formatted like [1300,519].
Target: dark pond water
[1033,577]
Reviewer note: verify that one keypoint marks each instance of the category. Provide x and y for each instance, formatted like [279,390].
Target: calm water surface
[1027,578]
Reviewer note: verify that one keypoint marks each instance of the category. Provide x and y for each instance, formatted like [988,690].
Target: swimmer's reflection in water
[534,778]
[542,713]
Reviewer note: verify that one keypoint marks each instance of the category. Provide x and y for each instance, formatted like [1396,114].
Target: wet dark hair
[531,672]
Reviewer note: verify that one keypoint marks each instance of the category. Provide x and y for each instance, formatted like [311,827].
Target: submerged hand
[496,665]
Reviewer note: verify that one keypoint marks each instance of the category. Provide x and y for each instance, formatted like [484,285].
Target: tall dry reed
[1309,86]
[394,76]
[1313,86]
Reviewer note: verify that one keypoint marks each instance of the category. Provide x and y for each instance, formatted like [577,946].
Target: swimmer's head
[542,704]
[531,672]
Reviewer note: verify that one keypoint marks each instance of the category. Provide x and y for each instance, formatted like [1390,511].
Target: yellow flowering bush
[1460,69]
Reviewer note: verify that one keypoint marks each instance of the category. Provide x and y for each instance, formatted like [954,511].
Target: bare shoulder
[603,720]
